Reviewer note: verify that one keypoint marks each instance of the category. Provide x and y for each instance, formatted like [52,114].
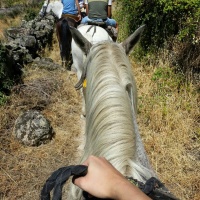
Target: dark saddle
[112,32]
[73,20]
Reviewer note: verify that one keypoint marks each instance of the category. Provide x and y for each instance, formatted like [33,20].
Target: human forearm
[110,182]
[124,190]
[78,7]
[109,11]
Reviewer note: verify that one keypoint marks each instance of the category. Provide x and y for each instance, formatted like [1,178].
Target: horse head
[85,46]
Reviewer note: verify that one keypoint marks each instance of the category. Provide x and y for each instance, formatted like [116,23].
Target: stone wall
[24,43]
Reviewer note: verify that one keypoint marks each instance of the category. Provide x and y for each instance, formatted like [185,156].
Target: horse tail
[65,40]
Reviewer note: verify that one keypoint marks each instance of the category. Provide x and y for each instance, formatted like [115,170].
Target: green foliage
[5,81]
[31,13]
[166,81]
[164,19]
[10,3]
[3,99]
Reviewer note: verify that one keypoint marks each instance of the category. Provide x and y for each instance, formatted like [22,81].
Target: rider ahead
[71,7]
[99,11]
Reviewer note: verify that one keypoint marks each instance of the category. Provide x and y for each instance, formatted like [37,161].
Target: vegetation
[168,113]
[7,76]
[5,82]
[165,64]
[168,118]
[173,25]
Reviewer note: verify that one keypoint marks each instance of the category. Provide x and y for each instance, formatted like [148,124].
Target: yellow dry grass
[7,22]
[169,123]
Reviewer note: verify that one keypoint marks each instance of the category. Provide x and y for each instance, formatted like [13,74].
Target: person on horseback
[71,8]
[100,11]
[82,7]
[71,16]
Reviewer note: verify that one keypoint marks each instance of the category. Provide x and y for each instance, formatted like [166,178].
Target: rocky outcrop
[24,44]
[26,41]
[11,11]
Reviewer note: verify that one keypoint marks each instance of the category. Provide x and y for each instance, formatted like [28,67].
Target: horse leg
[59,35]
[66,39]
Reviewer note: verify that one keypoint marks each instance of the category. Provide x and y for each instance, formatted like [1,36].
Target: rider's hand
[104,181]
[79,16]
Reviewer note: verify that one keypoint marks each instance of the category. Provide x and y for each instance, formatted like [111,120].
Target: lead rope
[58,179]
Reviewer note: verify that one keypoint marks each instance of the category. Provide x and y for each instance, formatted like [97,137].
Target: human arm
[78,7]
[109,8]
[104,181]
[86,7]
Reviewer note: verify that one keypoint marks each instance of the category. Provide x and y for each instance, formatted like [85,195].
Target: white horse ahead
[52,5]
[111,101]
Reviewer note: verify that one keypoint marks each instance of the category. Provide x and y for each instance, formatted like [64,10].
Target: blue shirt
[69,7]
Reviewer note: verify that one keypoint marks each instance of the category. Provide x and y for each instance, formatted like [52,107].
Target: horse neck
[109,117]
[109,121]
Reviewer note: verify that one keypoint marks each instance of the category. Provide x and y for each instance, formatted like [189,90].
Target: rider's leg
[85,20]
[114,25]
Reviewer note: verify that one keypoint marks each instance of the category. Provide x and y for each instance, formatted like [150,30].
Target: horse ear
[80,40]
[132,40]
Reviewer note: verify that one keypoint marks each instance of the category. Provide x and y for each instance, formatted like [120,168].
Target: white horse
[52,5]
[93,34]
[111,101]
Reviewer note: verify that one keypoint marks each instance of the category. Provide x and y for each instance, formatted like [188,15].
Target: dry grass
[7,22]
[168,120]
[23,170]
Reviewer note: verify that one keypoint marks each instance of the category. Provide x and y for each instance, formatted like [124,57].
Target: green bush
[31,13]
[170,24]
[164,19]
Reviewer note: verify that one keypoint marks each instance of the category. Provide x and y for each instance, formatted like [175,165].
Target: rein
[153,187]
[58,179]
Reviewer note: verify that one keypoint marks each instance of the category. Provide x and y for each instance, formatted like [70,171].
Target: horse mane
[110,112]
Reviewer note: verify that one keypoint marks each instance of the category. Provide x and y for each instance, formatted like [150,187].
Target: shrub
[171,24]
[164,19]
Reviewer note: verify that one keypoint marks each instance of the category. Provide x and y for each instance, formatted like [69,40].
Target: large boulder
[33,129]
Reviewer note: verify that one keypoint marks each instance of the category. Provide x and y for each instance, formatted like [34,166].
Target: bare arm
[87,10]
[104,181]
[109,11]
[78,6]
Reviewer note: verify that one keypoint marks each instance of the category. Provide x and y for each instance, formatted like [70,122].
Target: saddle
[76,18]
[112,32]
